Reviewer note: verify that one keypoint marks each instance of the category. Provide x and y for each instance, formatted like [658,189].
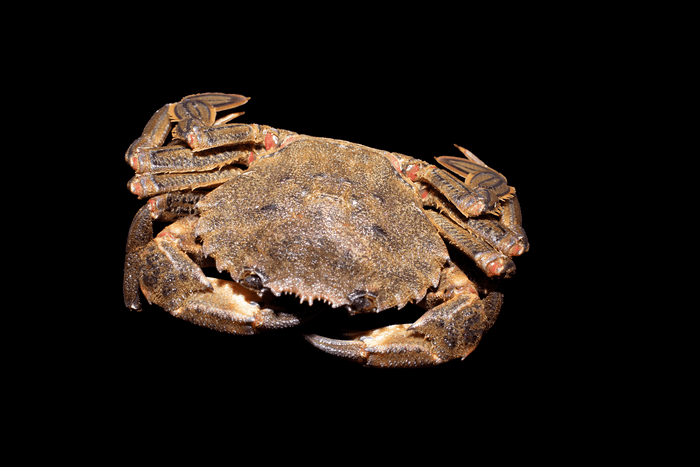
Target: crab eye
[361,301]
[254,280]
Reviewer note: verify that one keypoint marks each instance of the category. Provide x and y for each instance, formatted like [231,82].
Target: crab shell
[324,220]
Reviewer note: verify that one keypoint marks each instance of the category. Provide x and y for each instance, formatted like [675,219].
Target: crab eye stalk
[362,301]
[254,280]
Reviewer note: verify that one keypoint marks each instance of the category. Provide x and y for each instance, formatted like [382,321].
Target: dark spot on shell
[378,231]
[268,208]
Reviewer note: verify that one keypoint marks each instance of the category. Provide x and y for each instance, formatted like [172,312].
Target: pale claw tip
[352,350]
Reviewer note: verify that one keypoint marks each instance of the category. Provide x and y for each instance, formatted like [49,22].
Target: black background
[543,98]
[509,114]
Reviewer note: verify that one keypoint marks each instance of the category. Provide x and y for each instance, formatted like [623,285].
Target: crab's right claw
[450,330]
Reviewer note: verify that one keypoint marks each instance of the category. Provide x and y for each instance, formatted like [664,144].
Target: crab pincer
[449,331]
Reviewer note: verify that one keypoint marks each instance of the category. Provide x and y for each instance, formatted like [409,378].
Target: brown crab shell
[324,220]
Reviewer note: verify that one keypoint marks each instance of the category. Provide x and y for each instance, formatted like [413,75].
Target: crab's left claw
[450,330]
[390,346]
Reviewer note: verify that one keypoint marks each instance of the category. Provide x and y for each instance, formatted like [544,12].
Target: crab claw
[448,331]
[391,346]
[228,307]
[351,350]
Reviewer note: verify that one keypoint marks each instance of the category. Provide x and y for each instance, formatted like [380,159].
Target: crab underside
[278,213]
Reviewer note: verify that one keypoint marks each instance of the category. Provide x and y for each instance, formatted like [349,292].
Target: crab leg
[512,218]
[153,135]
[508,238]
[202,108]
[477,175]
[448,331]
[470,203]
[197,125]
[172,206]
[498,235]
[221,135]
[493,263]
[481,191]
[181,159]
[192,111]
[148,185]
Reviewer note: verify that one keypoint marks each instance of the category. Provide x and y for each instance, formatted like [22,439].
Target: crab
[279,213]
